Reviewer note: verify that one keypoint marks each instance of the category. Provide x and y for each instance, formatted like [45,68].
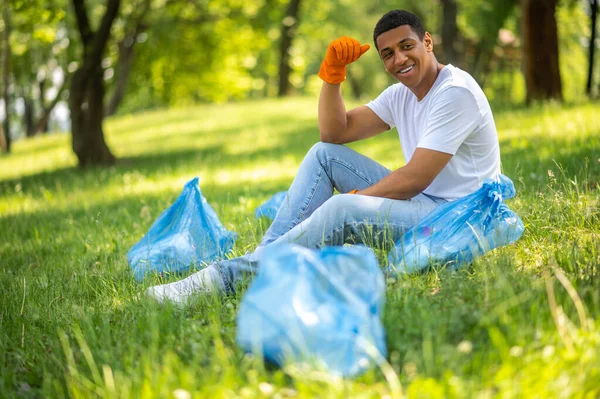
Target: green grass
[523,321]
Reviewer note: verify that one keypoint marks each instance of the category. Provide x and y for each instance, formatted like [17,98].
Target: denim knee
[322,151]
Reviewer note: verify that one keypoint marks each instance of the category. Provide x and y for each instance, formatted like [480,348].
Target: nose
[399,57]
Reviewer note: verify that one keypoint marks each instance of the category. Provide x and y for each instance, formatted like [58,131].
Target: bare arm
[338,126]
[411,179]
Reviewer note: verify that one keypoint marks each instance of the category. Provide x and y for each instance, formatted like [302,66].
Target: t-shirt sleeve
[382,106]
[453,117]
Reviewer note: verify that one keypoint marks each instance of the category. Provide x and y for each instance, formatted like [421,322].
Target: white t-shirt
[455,118]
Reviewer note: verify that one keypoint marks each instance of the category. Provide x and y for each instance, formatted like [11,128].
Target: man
[448,138]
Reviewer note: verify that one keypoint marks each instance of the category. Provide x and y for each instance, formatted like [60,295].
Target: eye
[387,55]
[408,47]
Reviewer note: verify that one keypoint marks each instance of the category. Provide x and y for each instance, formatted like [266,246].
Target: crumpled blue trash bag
[185,234]
[322,306]
[271,206]
[459,231]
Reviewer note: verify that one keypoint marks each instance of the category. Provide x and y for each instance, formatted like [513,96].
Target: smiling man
[448,138]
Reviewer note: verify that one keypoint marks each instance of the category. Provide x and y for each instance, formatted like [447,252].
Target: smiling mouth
[406,70]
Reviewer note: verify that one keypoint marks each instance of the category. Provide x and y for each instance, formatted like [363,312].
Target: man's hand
[341,52]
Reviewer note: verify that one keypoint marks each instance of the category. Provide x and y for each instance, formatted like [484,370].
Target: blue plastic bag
[460,231]
[315,306]
[185,234]
[271,206]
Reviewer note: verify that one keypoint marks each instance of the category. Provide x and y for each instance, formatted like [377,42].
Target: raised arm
[338,126]
[335,124]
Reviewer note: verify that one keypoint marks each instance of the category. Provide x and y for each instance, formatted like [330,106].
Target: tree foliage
[173,52]
[41,55]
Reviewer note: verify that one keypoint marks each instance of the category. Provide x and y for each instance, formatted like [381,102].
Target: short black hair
[396,18]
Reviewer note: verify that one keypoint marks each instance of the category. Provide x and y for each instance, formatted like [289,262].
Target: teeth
[407,69]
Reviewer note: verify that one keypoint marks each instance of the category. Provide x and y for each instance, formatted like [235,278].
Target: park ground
[523,321]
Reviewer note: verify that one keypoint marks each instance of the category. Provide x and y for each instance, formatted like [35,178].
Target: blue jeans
[313,217]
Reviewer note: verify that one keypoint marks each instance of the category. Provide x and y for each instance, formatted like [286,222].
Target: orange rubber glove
[341,52]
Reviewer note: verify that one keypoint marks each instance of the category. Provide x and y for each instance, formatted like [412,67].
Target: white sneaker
[203,282]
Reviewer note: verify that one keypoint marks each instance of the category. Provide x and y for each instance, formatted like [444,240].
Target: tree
[2,140]
[449,31]
[288,30]
[6,73]
[592,46]
[39,56]
[42,123]
[86,100]
[540,50]
[479,28]
[33,69]
[203,51]
[135,26]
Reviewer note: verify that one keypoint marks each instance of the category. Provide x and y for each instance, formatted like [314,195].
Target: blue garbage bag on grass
[320,307]
[271,206]
[184,235]
[459,231]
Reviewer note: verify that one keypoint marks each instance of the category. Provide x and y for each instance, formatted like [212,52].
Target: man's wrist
[332,74]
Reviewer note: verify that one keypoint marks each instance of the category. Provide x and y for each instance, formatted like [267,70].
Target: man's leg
[343,219]
[325,167]
[353,219]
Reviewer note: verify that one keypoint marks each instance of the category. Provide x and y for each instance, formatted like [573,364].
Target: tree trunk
[481,60]
[87,113]
[355,85]
[288,30]
[86,100]
[6,77]
[124,66]
[477,57]
[125,60]
[592,48]
[2,140]
[42,124]
[449,31]
[28,116]
[540,50]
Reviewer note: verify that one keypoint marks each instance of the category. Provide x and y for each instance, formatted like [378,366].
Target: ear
[428,42]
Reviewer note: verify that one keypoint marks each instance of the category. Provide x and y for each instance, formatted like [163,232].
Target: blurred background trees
[161,53]
[86,95]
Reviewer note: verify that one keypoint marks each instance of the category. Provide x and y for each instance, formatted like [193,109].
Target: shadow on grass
[195,132]
[294,143]
[85,234]
[528,161]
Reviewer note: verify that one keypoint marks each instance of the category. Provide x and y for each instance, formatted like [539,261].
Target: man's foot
[204,282]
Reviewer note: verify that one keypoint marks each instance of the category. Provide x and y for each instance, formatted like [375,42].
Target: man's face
[405,56]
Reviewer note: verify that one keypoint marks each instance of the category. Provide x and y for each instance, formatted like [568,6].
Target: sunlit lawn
[521,322]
